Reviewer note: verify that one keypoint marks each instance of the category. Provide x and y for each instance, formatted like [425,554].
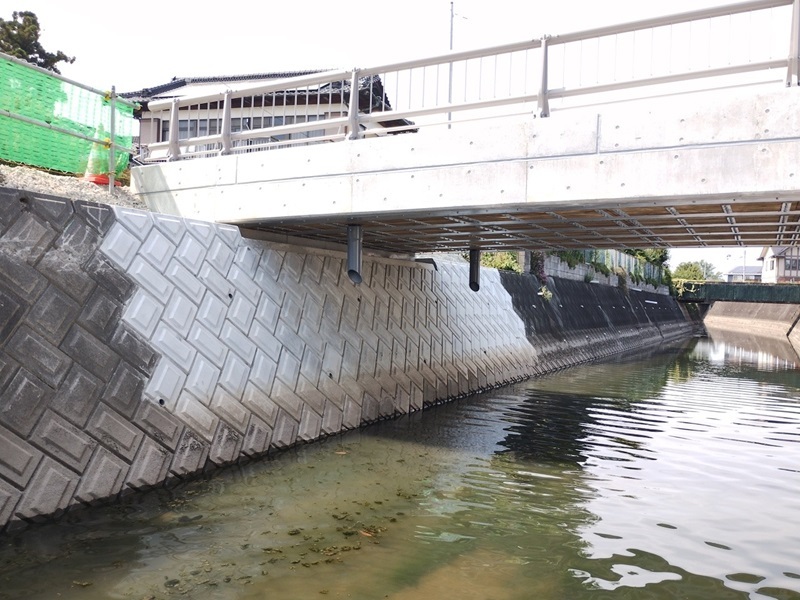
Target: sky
[136,45]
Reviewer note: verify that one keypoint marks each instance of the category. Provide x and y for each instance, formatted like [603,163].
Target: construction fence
[51,122]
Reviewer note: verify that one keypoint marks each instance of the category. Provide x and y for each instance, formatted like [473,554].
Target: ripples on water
[671,476]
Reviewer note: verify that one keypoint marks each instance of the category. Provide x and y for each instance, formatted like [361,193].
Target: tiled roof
[179,82]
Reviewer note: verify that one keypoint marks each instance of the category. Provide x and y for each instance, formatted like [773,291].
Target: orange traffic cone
[97,168]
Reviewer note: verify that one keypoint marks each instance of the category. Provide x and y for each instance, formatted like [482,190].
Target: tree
[699,270]
[19,37]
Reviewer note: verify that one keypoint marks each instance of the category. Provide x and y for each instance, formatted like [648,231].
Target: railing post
[793,69]
[112,154]
[226,125]
[544,104]
[174,149]
[352,114]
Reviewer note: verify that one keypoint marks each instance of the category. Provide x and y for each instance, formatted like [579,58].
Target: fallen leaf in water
[82,583]
[366,533]
[340,452]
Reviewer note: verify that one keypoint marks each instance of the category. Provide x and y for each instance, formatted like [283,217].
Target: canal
[674,474]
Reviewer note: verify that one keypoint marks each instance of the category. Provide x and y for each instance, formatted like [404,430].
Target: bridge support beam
[474,269]
[355,238]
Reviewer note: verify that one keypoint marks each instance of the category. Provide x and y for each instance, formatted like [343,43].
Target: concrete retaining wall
[137,347]
[765,320]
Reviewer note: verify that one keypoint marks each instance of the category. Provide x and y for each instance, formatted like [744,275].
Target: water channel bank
[136,348]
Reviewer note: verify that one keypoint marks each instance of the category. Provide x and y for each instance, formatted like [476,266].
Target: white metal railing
[712,48]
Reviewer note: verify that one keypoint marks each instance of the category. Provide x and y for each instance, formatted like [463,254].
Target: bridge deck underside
[708,222]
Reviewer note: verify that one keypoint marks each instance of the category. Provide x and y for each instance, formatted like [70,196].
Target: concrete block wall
[137,347]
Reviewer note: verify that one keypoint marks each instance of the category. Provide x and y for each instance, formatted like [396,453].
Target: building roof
[748,270]
[172,88]
[371,94]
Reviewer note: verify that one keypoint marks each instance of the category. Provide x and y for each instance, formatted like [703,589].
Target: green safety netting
[34,94]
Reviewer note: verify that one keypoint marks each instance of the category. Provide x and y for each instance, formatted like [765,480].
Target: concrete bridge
[521,146]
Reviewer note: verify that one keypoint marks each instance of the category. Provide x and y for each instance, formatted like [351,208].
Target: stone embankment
[136,348]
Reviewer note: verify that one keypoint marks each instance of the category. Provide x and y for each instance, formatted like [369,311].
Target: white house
[781,264]
[250,112]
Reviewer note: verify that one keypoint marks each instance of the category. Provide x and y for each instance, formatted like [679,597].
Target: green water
[672,475]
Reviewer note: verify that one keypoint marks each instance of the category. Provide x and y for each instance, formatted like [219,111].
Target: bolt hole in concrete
[670,474]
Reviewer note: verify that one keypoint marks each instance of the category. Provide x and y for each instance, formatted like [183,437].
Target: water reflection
[663,476]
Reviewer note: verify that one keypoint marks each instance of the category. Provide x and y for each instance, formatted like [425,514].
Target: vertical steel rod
[112,155]
[793,70]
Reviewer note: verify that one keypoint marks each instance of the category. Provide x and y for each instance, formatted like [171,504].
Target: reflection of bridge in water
[660,133]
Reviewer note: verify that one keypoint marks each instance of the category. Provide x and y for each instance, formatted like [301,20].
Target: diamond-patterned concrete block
[56,211]
[238,342]
[172,227]
[133,349]
[288,369]
[229,233]
[90,353]
[290,340]
[150,466]
[31,349]
[51,315]
[212,313]
[191,253]
[24,401]
[310,425]
[63,441]
[244,284]
[285,432]
[138,222]
[257,439]
[351,417]
[190,455]
[77,396]
[285,397]
[173,346]
[263,372]
[102,270]
[100,314]
[143,313]
[103,477]
[260,403]
[208,344]
[156,421]
[186,281]
[234,375]
[230,410]
[310,394]
[202,379]
[150,278]
[331,419]
[226,445]
[28,238]
[200,419]
[241,313]
[9,497]
[267,342]
[247,258]
[216,283]
[115,432]
[18,458]
[166,384]
[220,256]
[120,245]
[50,491]
[180,313]
[157,250]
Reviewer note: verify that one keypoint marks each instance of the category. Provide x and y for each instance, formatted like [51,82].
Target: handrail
[417,85]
